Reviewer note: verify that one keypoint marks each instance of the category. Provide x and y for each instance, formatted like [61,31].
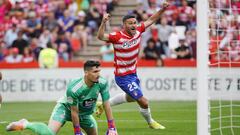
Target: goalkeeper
[77,106]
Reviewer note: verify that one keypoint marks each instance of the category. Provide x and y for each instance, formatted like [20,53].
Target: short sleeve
[114,37]
[141,27]
[105,91]
[71,97]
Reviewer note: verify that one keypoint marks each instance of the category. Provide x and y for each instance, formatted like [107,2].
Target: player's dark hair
[89,64]
[128,17]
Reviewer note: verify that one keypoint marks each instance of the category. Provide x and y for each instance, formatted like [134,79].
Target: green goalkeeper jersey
[79,94]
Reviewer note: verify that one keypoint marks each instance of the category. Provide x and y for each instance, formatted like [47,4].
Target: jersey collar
[126,34]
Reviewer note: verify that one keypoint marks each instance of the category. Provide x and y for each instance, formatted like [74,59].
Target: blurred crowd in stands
[224,24]
[174,35]
[29,26]
[67,26]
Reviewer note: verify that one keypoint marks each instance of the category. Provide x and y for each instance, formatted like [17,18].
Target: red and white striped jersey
[126,49]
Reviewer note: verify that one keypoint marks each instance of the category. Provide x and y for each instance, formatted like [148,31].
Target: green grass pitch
[179,117]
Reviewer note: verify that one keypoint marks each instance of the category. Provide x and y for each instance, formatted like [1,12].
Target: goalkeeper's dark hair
[89,64]
[128,17]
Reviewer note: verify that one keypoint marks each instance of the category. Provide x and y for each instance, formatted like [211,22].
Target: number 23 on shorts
[132,86]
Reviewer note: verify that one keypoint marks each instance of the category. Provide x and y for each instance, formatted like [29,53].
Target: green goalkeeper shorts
[62,114]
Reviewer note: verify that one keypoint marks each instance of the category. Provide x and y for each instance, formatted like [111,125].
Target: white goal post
[202,68]
[218,48]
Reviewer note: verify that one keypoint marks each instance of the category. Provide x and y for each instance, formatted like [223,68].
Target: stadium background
[43,21]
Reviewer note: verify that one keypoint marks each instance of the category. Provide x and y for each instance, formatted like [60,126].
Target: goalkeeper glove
[77,130]
[79,133]
[111,131]
[111,128]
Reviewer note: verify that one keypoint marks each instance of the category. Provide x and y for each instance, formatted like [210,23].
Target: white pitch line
[140,121]
[114,110]
[3,122]
[127,120]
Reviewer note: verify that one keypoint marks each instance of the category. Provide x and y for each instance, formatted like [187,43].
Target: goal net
[221,39]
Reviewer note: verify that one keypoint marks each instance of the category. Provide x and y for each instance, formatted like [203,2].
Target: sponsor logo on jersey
[130,43]
[88,103]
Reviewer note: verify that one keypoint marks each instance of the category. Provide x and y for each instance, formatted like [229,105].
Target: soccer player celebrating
[77,106]
[126,48]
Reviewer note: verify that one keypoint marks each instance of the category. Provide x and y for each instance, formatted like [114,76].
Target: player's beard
[132,31]
[96,81]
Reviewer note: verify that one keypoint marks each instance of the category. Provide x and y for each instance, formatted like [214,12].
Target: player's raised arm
[101,35]
[156,16]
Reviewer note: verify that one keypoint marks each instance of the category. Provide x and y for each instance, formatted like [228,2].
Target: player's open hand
[106,17]
[111,131]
